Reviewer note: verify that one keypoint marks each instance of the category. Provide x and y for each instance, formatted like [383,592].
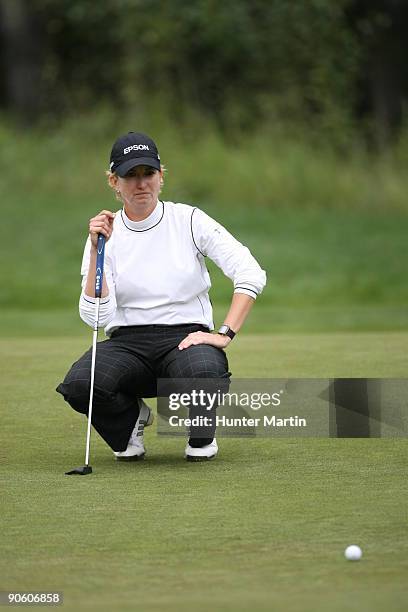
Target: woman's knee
[75,388]
[202,361]
[76,385]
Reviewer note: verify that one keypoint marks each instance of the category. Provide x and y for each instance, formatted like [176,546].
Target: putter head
[81,471]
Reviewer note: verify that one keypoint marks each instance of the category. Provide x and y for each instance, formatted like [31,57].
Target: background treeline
[336,66]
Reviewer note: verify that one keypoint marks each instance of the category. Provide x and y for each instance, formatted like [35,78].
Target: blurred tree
[242,62]
[22,58]
[380,27]
[83,62]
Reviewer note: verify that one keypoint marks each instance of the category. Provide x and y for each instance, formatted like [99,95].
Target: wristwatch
[225,330]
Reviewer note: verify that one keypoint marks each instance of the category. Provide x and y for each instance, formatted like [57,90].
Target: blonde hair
[111,176]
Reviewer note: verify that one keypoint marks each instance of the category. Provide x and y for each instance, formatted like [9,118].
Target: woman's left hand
[200,337]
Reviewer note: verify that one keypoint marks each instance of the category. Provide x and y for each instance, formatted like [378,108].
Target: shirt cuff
[92,300]
[247,291]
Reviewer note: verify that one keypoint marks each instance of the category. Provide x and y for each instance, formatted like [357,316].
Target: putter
[87,469]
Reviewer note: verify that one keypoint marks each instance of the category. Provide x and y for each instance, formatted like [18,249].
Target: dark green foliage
[243,63]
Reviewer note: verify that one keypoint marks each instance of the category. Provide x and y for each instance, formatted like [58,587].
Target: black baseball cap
[133,149]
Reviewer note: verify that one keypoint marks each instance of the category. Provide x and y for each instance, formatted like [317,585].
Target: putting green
[263,527]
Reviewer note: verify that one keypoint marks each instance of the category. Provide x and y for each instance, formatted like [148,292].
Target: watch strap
[225,330]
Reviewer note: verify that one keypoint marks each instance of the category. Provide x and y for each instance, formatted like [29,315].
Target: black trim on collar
[192,234]
[147,228]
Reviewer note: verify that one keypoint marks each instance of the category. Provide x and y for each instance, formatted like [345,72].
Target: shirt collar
[153,219]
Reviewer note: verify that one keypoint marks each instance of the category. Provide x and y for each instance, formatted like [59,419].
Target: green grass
[330,230]
[263,527]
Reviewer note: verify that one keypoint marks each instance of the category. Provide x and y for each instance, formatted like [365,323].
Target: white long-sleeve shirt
[156,273]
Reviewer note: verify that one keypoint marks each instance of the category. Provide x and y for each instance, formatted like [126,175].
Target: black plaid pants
[127,367]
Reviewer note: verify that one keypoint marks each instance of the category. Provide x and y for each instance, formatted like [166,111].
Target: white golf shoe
[204,453]
[135,449]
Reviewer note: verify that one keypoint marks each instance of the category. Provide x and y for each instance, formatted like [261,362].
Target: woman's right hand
[101,224]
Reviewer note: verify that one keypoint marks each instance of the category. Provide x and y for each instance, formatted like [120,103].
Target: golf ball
[353,553]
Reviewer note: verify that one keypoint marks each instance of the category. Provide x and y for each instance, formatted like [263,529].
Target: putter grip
[99,265]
